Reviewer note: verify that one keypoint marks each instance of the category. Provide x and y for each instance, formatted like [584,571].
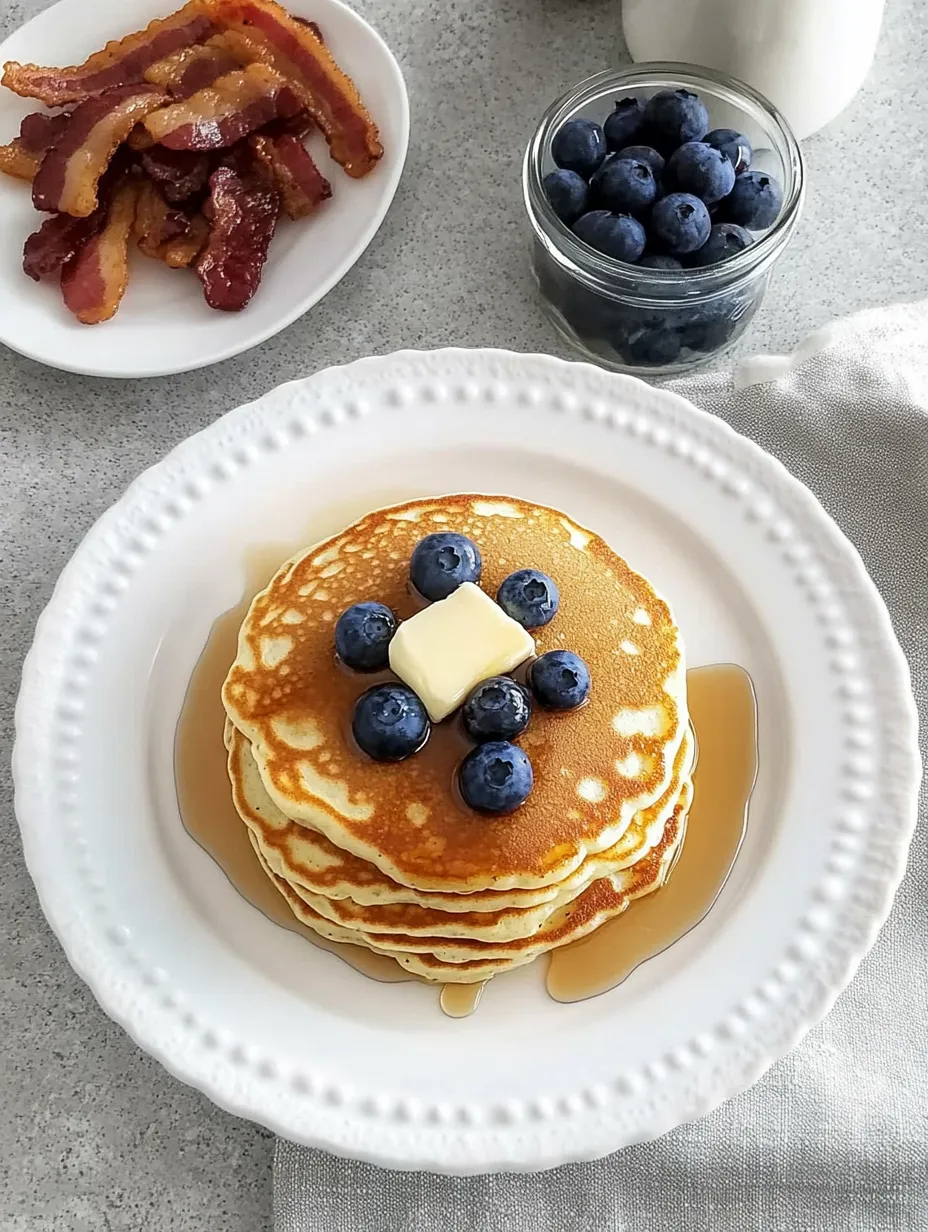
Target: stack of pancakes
[388,856]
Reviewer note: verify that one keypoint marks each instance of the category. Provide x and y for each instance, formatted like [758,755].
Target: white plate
[277,1031]
[163,324]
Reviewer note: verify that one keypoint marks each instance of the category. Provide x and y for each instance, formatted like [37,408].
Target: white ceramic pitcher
[809,57]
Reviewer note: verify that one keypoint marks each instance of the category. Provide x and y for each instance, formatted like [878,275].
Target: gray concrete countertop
[94,1134]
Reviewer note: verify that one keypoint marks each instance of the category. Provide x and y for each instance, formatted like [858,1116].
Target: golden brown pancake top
[288,694]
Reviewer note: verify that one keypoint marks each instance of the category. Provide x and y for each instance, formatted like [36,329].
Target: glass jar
[655,322]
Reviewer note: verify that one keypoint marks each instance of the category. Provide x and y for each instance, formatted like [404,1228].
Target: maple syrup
[722,711]
[460,1000]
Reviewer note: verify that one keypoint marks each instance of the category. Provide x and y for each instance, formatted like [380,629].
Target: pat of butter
[445,650]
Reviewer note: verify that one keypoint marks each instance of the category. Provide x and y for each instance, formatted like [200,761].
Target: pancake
[313,867]
[596,768]
[472,962]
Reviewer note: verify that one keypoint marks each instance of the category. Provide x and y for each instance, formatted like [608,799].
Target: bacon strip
[120,63]
[18,162]
[71,170]
[94,281]
[243,217]
[217,117]
[58,239]
[269,34]
[184,250]
[192,68]
[166,234]
[178,173]
[23,156]
[156,222]
[297,177]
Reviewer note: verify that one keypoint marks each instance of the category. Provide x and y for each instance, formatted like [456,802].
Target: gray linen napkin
[835,1137]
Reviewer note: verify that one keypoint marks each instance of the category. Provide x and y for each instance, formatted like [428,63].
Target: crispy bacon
[178,173]
[192,68]
[156,222]
[58,240]
[140,139]
[297,177]
[23,156]
[269,34]
[94,281]
[167,234]
[243,216]
[18,162]
[220,115]
[299,126]
[184,250]
[70,172]
[120,63]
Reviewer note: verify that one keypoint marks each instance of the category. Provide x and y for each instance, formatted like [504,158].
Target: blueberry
[624,185]
[613,234]
[726,239]
[623,125]
[529,597]
[651,345]
[560,680]
[755,201]
[644,154]
[709,325]
[362,636]
[579,145]
[498,709]
[735,146]
[390,722]
[700,169]
[568,194]
[441,562]
[657,260]
[674,116]
[496,777]
[589,314]
[680,222]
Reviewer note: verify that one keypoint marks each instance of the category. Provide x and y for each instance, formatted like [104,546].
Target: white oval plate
[163,324]
[277,1031]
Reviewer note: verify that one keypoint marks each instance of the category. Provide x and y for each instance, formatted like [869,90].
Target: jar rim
[612,277]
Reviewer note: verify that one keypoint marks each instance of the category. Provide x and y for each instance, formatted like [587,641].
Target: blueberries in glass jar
[660,261]
[707,326]
[700,169]
[567,193]
[644,154]
[674,116]
[624,185]
[651,345]
[559,680]
[441,562]
[591,315]
[362,636]
[498,709]
[726,239]
[680,223]
[615,235]
[579,145]
[622,126]
[755,201]
[496,777]
[530,597]
[390,722]
[734,145]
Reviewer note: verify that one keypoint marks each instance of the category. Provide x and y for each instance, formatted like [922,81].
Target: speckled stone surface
[93,1134]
